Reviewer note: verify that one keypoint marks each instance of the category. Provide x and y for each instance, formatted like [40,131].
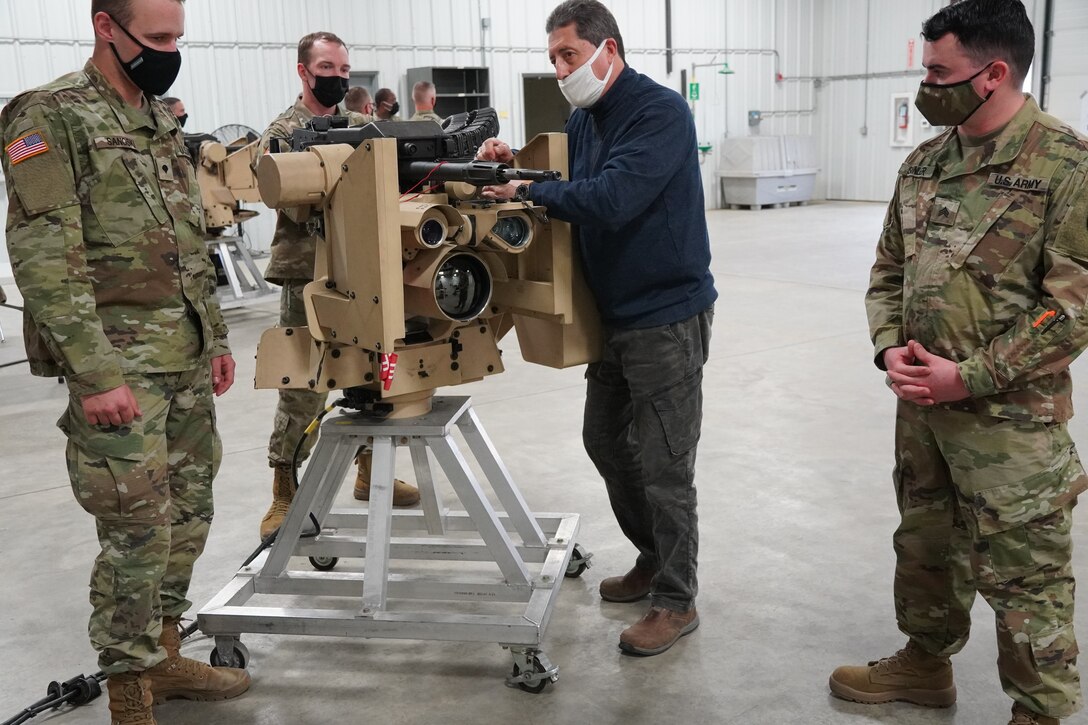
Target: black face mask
[153,71]
[182,119]
[394,108]
[329,90]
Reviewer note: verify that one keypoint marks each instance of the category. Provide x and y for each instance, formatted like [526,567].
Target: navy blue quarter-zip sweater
[635,197]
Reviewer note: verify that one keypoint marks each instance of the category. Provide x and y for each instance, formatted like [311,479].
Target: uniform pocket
[1022,659]
[998,238]
[124,201]
[111,480]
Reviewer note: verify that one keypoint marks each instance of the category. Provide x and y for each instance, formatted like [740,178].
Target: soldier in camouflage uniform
[105,234]
[323,68]
[423,96]
[976,309]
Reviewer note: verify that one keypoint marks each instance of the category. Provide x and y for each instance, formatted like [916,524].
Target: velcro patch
[26,147]
[114,142]
[944,211]
[924,172]
[1022,183]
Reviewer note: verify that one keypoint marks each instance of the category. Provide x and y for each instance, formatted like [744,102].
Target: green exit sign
[693,91]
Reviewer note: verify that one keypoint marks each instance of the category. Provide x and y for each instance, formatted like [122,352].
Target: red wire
[422,181]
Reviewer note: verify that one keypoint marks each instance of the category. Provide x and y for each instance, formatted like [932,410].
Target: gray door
[546,110]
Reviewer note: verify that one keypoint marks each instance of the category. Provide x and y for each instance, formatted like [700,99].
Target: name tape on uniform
[1023,183]
[114,142]
[26,147]
[917,170]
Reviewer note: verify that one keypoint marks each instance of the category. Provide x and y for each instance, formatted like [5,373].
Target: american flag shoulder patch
[26,147]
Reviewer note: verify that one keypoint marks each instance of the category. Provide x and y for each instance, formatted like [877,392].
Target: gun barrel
[477,173]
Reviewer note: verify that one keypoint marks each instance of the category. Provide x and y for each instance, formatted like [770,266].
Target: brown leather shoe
[658,630]
[130,699]
[404,494]
[1023,716]
[631,587]
[910,675]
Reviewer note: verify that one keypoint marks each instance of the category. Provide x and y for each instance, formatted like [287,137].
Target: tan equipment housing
[225,175]
[413,292]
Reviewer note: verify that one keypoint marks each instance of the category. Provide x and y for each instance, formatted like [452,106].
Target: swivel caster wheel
[238,657]
[532,672]
[324,563]
[579,562]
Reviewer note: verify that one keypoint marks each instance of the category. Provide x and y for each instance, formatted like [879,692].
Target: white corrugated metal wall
[239,62]
[1067,95]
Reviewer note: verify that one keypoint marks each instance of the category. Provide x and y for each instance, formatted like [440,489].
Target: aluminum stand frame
[532,552]
[244,279]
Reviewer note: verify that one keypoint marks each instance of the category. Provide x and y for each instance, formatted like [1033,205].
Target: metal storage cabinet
[759,170]
[457,88]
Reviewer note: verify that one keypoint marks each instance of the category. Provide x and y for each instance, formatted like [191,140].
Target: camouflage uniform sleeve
[48,256]
[1048,337]
[884,298]
[219,345]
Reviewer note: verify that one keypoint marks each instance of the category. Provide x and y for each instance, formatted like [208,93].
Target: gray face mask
[951,104]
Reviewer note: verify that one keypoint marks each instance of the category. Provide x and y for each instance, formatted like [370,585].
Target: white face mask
[583,88]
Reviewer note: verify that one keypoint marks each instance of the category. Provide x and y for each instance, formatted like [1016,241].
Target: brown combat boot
[181,678]
[130,699]
[283,491]
[658,630]
[910,675]
[631,587]
[404,494]
[1023,716]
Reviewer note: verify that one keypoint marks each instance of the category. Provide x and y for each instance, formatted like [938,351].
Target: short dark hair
[987,30]
[170,101]
[356,98]
[593,22]
[384,95]
[119,10]
[306,45]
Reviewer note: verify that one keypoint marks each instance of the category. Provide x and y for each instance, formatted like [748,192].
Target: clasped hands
[920,377]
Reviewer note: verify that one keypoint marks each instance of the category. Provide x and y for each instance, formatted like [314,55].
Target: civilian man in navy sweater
[635,199]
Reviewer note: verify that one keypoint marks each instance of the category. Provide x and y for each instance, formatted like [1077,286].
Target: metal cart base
[531,553]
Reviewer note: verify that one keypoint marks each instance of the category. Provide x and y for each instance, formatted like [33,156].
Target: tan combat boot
[283,490]
[181,678]
[404,494]
[130,699]
[910,675]
[1023,716]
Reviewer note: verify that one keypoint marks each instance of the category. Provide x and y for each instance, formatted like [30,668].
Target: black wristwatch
[522,192]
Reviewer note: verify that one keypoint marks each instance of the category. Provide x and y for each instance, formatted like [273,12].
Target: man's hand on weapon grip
[495,150]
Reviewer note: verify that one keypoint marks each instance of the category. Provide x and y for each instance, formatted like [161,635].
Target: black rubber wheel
[323,563]
[239,657]
[536,688]
[578,563]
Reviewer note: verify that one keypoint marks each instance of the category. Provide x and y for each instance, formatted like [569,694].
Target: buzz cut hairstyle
[593,22]
[421,90]
[987,30]
[306,44]
[357,93]
[384,95]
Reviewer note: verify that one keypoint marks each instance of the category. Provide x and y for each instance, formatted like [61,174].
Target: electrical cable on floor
[82,689]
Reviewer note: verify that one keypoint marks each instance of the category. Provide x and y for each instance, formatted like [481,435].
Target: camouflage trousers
[986,506]
[149,487]
[296,408]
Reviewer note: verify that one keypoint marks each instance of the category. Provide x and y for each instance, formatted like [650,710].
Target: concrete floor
[795,500]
